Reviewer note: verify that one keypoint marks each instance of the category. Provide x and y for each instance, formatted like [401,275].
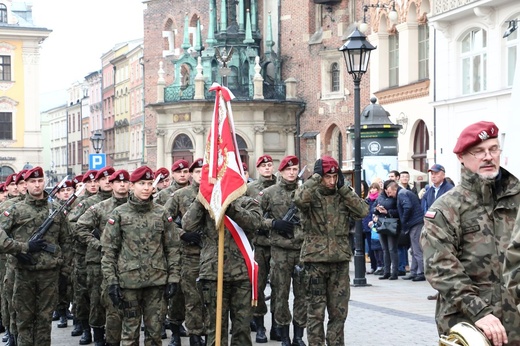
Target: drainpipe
[298,115]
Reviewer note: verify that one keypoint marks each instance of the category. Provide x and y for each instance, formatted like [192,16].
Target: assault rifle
[42,230]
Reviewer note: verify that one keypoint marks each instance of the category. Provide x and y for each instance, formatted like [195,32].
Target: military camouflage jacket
[21,221]
[177,206]
[140,246]
[78,246]
[247,214]
[275,202]
[95,217]
[163,195]
[465,235]
[327,212]
[10,201]
[253,189]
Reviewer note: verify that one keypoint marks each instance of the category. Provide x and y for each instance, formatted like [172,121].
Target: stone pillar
[200,142]
[289,132]
[290,89]
[160,147]
[258,81]
[161,84]
[259,141]
[199,82]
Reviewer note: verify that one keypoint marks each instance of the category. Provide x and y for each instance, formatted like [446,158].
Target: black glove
[114,292]
[284,228]
[25,258]
[318,167]
[36,245]
[341,180]
[171,289]
[191,237]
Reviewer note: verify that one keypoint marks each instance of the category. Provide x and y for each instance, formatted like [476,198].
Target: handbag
[387,225]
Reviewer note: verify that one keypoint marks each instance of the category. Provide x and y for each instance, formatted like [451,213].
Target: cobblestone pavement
[385,313]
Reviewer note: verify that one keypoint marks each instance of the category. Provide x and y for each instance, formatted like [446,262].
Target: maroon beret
[2,187]
[244,166]
[121,175]
[10,179]
[329,164]
[105,172]
[198,163]
[20,176]
[475,134]
[36,172]
[142,173]
[180,164]
[287,161]
[68,183]
[263,159]
[90,175]
[164,172]
[77,179]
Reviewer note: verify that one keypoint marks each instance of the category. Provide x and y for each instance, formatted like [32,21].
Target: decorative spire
[186,43]
[198,45]
[211,30]
[269,39]
[223,17]
[249,34]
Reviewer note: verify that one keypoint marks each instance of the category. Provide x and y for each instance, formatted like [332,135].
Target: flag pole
[220,284]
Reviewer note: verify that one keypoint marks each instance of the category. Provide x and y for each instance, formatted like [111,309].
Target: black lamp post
[357,54]
[97,140]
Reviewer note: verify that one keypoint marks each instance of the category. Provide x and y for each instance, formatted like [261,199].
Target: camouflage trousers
[193,301]
[97,314]
[263,257]
[3,268]
[113,318]
[283,262]
[328,287]
[35,296]
[81,294]
[8,311]
[64,297]
[236,304]
[148,304]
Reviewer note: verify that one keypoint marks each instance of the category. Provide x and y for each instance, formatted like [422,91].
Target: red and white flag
[223,179]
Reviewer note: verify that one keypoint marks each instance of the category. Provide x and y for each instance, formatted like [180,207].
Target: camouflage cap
[329,164]
[288,161]
[121,175]
[35,172]
[263,159]
[142,173]
[475,134]
[198,163]
[180,164]
[90,175]
[104,172]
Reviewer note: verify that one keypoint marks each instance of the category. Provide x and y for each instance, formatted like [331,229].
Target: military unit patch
[430,214]
[6,213]
[111,221]
[170,219]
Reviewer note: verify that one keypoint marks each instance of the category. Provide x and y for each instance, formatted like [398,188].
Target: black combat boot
[86,337]
[284,333]
[6,335]
[11,341]
[261,338]
[196,340]
[298,336]
[252,325]
[182,331]
[274,335]
[176,335]
[2,328]
[163,331]
[78,328]
[63,318]
[99,336]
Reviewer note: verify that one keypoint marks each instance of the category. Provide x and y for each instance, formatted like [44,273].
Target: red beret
[287,161]
[10,179]
[121,175]
[244,166]
[198,163]
[475,134]
[263,159]
[180,164]
[77,179]
[90,175]
[104,172]
[20,176]
[142,173]
[68,183]
[164,171]
[329,164]
[36,172]
[2,187]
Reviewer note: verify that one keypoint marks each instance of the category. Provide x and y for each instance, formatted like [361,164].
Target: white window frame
[474,77]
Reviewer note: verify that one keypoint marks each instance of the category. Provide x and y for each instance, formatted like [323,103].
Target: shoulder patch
[91,207]
[170,219]
[6,213]
[430,214]
[80,204]
[111,221]
[261,193]
[256,201]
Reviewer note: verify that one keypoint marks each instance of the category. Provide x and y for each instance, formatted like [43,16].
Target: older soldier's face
[483,158]
[35,187]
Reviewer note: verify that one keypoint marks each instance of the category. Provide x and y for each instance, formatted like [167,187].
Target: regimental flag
[222,177]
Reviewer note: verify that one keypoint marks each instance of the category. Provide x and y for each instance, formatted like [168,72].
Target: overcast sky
[82,31]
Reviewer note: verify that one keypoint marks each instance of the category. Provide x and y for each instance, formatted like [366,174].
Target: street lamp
[357,54]
[97,140]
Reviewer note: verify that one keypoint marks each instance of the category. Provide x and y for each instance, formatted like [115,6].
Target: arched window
[512,43]
[334,77]
[5,171]
[182,148]
[421,144]
[242,148]
[393,59]
[473,55]
[3,13]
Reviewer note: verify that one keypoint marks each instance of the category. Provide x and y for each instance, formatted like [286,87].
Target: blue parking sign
[97,161]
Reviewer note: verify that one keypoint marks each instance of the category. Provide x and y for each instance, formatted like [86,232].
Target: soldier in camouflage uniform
[190,259]
[3,193]
[89,228]
[164,182]
[328,204]
[140,260]
[465,236]
[266,178]
[286,241]
[81,291]
[36,282]
[236,295]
